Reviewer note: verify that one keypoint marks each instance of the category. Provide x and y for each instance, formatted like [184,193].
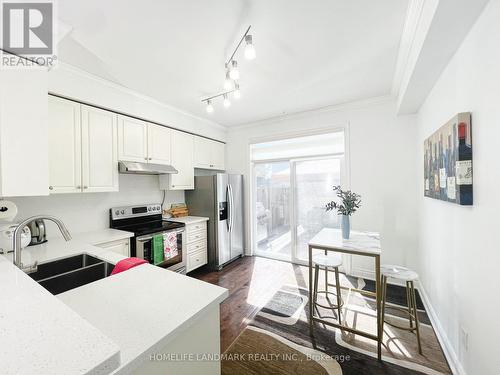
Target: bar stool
[408,276]
[332,260]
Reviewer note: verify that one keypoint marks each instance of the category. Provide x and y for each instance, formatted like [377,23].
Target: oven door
[177,262]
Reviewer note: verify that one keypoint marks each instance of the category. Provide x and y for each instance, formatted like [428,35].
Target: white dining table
[359,243]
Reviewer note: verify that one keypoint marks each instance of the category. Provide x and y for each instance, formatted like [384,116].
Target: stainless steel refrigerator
[220,198]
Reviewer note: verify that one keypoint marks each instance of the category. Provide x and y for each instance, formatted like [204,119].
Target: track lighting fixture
[249,48]
[234,73]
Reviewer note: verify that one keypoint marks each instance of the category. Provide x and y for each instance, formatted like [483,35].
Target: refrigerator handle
[228,208]
[231,212]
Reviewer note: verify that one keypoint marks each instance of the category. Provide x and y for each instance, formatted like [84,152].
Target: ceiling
[310,54]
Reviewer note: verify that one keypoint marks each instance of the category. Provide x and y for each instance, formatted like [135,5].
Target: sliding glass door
[289,204]
[314,180]
[272,225]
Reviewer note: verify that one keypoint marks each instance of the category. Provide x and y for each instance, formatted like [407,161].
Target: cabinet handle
[51,187]
[145,158]
[78,187]
[150,158]
[85,187]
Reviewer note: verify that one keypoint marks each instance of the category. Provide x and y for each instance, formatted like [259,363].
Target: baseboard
[449,352]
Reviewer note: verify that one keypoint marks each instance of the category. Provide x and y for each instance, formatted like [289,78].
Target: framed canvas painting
[448,161]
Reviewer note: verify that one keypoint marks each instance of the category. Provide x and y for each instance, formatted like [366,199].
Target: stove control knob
[123,212]
[158,208]
[117,212]
[149,208]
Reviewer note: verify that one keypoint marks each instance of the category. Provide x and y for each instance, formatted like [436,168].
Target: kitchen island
[140,321]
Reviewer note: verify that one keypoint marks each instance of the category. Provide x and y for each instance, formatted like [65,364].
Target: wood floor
[251,282]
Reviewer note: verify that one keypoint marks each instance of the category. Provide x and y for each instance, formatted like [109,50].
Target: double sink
[69,273]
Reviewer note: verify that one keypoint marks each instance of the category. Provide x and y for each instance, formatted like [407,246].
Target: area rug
[282,326]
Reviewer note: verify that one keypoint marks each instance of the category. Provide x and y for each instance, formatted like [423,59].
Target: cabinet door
[159,138]
[65,163]
[182,160]
[132,139]
[202,152]
[218,155]
[24,167]
[99,150]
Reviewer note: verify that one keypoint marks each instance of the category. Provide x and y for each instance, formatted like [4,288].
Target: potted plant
[349,203]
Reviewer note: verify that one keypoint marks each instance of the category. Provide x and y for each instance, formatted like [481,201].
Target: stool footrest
[331,306]
[401,327]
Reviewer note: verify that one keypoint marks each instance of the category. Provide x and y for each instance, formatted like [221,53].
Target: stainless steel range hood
[133,167]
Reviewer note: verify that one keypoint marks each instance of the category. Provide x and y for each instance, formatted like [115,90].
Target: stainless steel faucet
[17,240]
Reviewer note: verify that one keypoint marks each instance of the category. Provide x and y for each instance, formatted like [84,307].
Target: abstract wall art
[448,161]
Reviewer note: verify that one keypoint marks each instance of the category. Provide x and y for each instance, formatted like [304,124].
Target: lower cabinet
[196,244]
[121,247]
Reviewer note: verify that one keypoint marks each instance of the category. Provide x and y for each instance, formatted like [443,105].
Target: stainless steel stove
[146,221]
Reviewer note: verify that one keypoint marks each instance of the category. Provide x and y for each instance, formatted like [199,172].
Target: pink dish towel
[126,264]
[170,243]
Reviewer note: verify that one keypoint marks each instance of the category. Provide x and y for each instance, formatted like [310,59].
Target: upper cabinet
[99,150]
[159,144]
[24,167]
[143,142]
[65,146]
[83,148]
[209,154]
[132,139]
[182,148]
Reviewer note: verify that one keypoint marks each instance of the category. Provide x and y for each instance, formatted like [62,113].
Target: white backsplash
[88,212]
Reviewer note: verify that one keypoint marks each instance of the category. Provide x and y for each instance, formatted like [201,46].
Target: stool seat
[330,260]
[398,272]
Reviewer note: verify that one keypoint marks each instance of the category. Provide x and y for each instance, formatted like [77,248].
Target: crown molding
[357,104]
[126,90]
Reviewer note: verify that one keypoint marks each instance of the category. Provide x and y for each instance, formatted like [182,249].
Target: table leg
[310,293]
[378,292]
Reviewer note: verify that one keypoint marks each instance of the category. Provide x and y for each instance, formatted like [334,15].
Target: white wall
[87,212]
[458,256]
[382,167]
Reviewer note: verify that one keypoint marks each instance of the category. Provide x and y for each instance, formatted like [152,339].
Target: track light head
[234,73]
[237,92]
[226,102]
[210,107]
[228,82]
[249,48]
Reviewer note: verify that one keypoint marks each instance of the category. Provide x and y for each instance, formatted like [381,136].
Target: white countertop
[186,219]
[139,322]
[106,326]
[360,242]
[98,237]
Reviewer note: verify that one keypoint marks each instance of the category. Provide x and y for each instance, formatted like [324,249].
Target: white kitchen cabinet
[99,150]
[196,245]
[132,139]
[182,147]
[83,148]
[219,155]
[209,154]
[24,167]
[65,146]
[121,247]
[159,144]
